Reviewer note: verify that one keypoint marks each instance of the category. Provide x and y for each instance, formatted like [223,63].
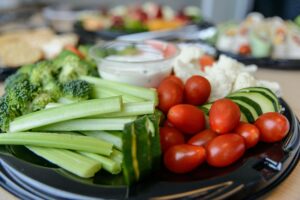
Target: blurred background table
[290,82]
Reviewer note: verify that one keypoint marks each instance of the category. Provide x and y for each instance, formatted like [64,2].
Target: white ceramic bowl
[148,68]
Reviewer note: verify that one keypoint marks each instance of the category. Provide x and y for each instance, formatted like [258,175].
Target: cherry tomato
[174,79]
[202,138]
[273,126]
[249,132]
[170,137]
[197,90]
[184,158]
[224,150]
[74,50]
[169,94]
[187,118]
[224,116]
[168,124]
[245,49]
[205,61]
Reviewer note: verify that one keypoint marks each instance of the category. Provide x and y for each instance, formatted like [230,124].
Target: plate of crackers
[30,45]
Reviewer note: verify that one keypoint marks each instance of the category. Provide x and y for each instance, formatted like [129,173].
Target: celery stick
[133,109]
[65,112]
[117,156]
[108,164]
[71,161]
[100,92]
[88,124]
[57,140]
[114,137]
[129,109]
[145,93]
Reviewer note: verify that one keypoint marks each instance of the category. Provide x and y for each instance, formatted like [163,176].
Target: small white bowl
[148,68]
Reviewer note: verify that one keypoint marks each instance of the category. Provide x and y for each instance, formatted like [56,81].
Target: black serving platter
[266,62]
[261,169]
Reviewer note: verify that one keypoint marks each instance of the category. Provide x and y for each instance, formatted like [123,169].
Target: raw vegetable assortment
[234,124]
[62,112]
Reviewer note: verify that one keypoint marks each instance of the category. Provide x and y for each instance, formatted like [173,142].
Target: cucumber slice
[130,164]
[267,91]
[250,110]
[141,148]
[246,114]
[266,102]
[153,132]
[245,100]
[247,108]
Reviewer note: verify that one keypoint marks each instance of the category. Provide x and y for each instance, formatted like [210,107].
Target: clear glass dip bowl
[137,63]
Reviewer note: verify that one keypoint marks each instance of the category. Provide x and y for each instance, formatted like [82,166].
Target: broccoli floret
[40,101]
[15,79]
[20,95]
[53,88]
[42,73]
[74,91]
[26,69]
[71,67]
[7,113]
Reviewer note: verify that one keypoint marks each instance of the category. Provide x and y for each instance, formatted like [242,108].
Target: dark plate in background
[284,64]
[261,169]
[91,37]
[6,72]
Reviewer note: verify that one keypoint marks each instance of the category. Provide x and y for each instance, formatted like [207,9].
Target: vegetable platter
[108,24]
[67,133]
[266,42]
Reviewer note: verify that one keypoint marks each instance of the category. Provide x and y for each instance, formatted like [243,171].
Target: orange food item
[74,50]
[206,60]
[161,24]
[244,49]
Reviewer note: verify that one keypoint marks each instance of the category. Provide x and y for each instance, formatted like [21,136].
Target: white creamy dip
[148,67]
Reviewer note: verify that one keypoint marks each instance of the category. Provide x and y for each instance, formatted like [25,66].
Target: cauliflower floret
[186,70]
[184,65]
[244,80]
[189,53]
[232,68]
[220,84]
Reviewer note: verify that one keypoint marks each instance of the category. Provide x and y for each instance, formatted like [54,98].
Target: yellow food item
[28,46]
[15,52]
[160,24]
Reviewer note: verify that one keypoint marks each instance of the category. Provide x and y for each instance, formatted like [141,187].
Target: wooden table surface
[290,83]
